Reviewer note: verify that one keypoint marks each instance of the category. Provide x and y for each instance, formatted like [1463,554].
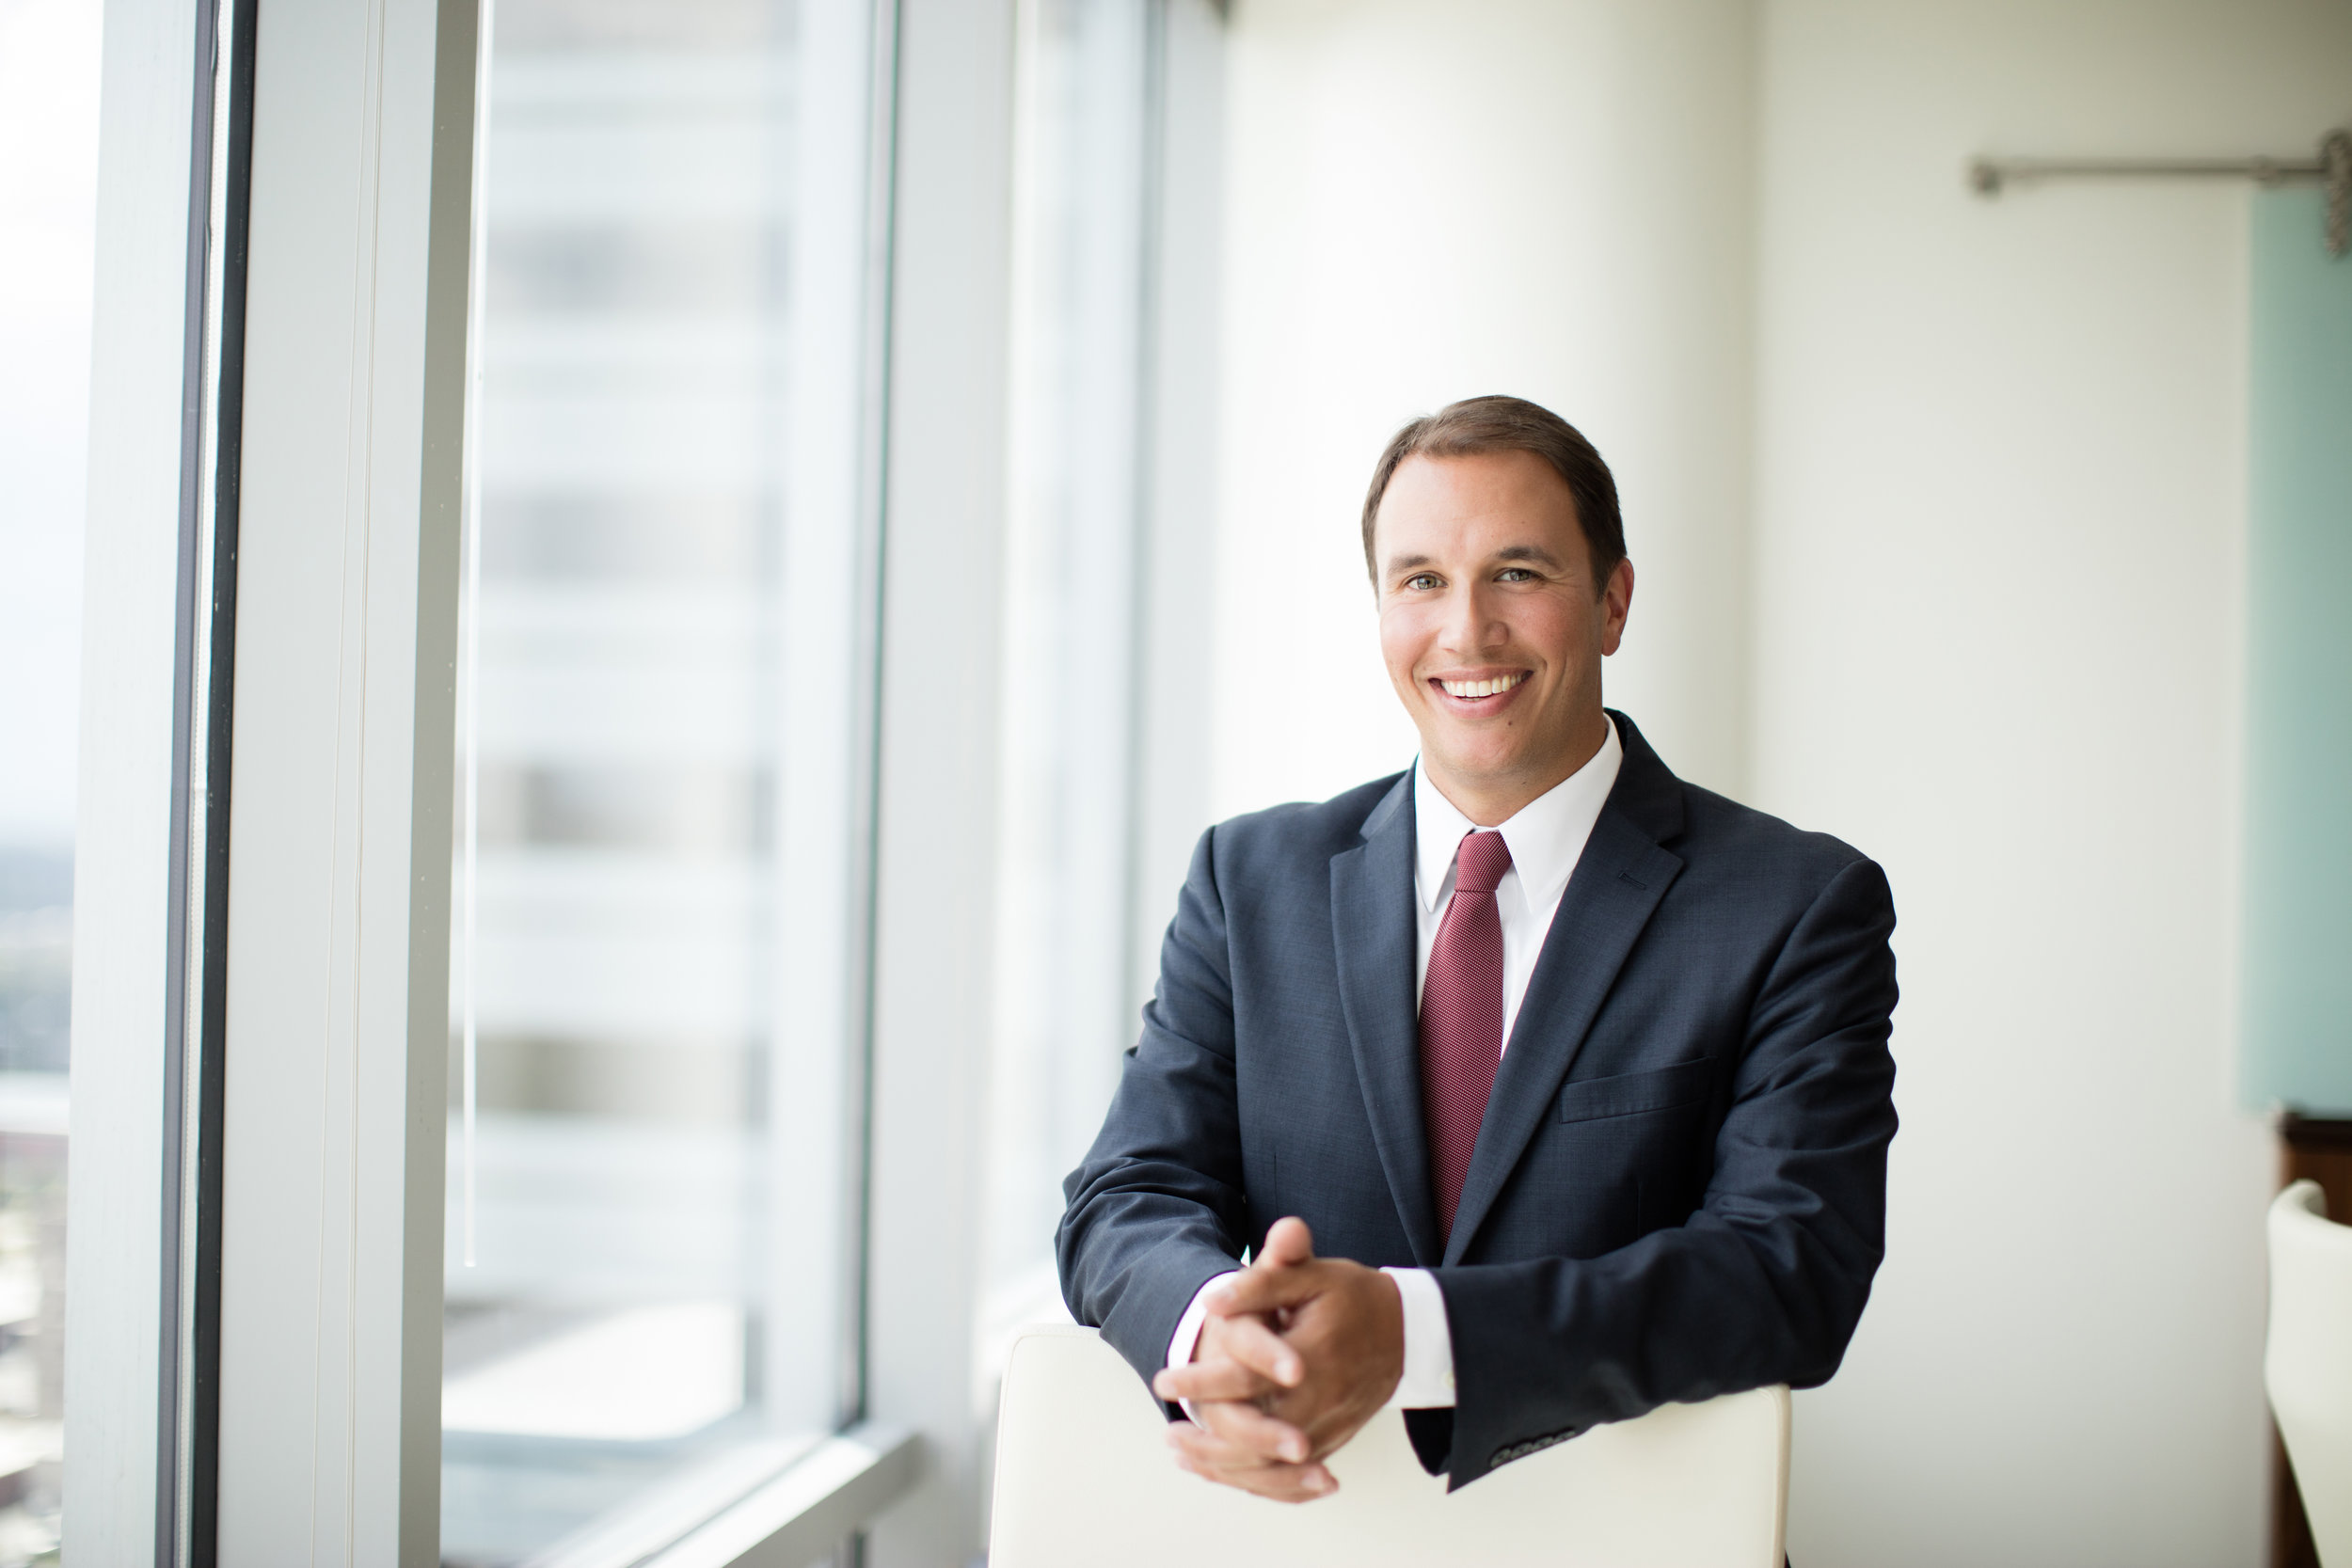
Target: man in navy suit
[1541,1086]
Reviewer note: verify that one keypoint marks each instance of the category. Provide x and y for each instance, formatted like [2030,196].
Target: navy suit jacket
[1679,1187]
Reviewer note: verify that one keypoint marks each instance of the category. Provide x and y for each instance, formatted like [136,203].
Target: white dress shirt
[1546,839]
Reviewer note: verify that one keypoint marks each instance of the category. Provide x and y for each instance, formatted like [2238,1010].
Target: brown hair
[1485,424]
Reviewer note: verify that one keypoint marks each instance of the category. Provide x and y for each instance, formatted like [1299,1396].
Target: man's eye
[1514,574]
[1423,581]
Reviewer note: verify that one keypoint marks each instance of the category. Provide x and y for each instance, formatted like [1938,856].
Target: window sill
[806,1512]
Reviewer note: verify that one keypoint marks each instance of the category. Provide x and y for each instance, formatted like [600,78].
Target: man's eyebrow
[1535,553]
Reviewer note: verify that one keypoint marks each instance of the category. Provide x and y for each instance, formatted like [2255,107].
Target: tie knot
[1480,861]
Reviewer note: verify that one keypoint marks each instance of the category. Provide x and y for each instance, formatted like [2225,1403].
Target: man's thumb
[1289,1242]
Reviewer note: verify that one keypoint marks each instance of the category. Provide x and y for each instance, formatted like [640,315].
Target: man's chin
[1476,767]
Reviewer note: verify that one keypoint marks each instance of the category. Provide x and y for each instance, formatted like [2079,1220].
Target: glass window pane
[49,68]
[652,996]
[1063,1008]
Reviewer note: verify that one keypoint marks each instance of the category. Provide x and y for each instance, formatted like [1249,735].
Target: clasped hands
[1294,1356]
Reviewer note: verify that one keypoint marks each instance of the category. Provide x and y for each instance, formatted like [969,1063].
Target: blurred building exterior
[36,1004]
[49,72]
[640,306]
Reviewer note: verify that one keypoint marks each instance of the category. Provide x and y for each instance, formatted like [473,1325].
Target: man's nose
[1471,624]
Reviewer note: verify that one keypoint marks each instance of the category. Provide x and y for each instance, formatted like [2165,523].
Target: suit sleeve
[1158,1206]
[1765,1282]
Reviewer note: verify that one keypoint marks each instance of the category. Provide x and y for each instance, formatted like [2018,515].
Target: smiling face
[1492,626]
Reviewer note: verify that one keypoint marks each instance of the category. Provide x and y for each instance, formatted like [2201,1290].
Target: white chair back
[1084,1477]
[2308,1364]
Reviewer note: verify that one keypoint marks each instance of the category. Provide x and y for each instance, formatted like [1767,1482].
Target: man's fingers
[1214,1448]
[1264,1290]
[1258,1349]
[1289,1242]
[1285,1483]
[1219,1379]
[1250,1430]
[1212,1458]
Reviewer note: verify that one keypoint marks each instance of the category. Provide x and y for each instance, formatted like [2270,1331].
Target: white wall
[1989,634]
[1432,202]
[1998,534]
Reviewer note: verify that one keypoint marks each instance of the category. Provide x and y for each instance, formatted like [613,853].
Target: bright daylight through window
[48,187]
[1085,187]
[662,768]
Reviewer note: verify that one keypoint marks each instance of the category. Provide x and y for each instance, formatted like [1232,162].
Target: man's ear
[1616,603]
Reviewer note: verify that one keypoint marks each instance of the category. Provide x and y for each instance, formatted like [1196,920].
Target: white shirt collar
[1546,837]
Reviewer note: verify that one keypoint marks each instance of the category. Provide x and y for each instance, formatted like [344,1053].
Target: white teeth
[1481,689]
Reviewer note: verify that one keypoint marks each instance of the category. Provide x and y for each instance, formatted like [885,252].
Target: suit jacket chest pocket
[1643,1128]
[1637,1094]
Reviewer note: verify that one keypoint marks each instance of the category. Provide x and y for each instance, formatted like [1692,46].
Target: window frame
[125,1020]
[342,432]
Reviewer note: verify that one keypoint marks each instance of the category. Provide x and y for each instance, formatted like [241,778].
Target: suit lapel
[1374,934]
[1618,882]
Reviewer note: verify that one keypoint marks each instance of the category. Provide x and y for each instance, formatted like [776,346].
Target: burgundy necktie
[1461,1017]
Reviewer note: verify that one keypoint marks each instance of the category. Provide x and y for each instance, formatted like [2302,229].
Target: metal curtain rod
[2333,167]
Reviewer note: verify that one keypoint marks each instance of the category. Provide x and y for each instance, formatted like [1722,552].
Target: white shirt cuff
[1428,1380]
[1186,1338]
